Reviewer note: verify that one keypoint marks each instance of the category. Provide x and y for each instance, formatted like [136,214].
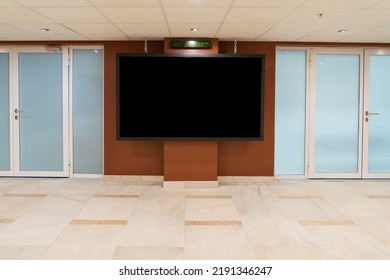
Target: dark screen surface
[189,97]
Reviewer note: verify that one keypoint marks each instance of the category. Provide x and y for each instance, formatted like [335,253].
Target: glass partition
[4,113]
[290,112]
[87,111]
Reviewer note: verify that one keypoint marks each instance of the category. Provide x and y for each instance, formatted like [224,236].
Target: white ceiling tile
[267,3]
[24,37]
[96,29]
[73,15]
[241,38]
[125,3]
[36,29]
[9,30]
[295,31]
[194,15]
[383,31]
[368,39]
[144,30]
[382,4]
[8,4]
[20,15]
[369,17]
[140,38]
[199,3]
[107,37]
[311,16]
[133,14]
[332,30]
[387,40]
[183,30]
[320,39]
[58,37]
[243,29]
[54,3]
[280,38]
[338,36]
[339,3]
[257,15]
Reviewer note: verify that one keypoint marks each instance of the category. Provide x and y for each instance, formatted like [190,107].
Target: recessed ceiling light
[45,29]
[342,31]
[194,29]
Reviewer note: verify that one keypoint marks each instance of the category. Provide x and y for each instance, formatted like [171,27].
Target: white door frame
[11,163]
[366,125]
[311,111]
[14,64]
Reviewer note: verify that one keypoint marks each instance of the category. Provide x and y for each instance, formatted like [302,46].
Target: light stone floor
[130,219]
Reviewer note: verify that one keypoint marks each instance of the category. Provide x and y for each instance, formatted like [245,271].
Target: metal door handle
[371,114]
[17,111]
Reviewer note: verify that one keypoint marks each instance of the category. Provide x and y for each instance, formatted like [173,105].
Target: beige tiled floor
[115,218]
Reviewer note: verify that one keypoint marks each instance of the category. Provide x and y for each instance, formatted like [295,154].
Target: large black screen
[190,97]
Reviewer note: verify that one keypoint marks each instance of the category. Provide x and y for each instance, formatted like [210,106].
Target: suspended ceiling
[242,20]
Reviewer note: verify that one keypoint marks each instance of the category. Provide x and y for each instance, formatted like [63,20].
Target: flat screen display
[190,97]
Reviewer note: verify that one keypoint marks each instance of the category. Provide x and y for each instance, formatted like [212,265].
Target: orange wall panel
[190,160]
[126,157]
[253,158]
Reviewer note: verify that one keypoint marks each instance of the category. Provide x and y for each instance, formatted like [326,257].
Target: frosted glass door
[40,115]
[5,165]
[290,108]
[87,88]
[336,125]
[377,115]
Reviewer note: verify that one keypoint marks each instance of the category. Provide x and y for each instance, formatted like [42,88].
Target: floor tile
[3,226]
[217,242]
[121,188]
[274,231]
[107,208]
[289,253]
[80,190]
[84,242]
[154,231]
[352,206]
[14,207]
[319,209]
[5,185]
[378,227]
[210,209]
[259,206]
[149,253]
[346,242]
[35,186]
[19,252]
[162,205]
[43,223]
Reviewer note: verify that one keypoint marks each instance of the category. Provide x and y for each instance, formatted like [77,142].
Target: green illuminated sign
[191,44]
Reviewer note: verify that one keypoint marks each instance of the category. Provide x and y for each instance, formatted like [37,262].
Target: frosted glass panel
[337,113]
[41,121]
[88,111]
[290,112]
[4,113]
[379,125]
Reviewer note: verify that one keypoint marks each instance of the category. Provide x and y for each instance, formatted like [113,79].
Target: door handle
[371,114]
[16,111]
